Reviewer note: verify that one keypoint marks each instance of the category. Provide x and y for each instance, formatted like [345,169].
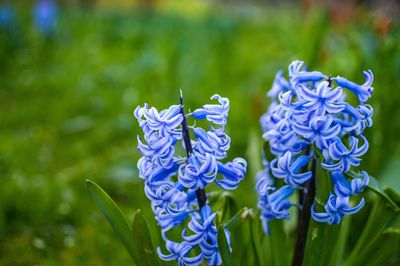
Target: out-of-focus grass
[66,109]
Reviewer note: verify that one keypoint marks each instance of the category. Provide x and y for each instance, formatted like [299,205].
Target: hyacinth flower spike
[311,128]
[176,183]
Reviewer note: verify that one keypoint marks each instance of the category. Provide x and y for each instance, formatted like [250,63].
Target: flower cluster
[175,183]
[310,119]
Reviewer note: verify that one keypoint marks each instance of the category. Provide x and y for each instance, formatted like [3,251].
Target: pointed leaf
[277,244]
[380,218]
[142,239]
[256,240]
[321,237]
[227,205]
[239,218]
[337,254]
[115,218]
[223,247]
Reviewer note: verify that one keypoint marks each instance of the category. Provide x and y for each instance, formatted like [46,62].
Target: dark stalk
[329,81]
[301,198]
[304,219]
[200,193]
[301,192]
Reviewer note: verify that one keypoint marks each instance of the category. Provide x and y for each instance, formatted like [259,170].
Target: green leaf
[227,206]
[387,242]
[393,195]
[223,247]
[337,254]
[389,176]
[141,236]
[115,218]
[277,244]
[321,237]
[256,235]
[380,219]
[239,218]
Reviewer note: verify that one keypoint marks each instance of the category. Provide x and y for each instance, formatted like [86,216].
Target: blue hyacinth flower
[274,205]
[323,99]
[298,75]
[232,173]
[290,171]
[344,188]
[336,208]
[345,157]
[216,113]
[179,252]
[199,171]
[363,91]
[310,120]
[320,130]
[175,182]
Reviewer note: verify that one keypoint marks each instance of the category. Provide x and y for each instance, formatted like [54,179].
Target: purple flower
[280,83]
[175,183]
[320,130]
[363,91]
[159,148]
[274,205]
[297,75]
[344,188]
[165,122]
[345,157]
[214,142]
[232,173]
[216,113]
[199,171]
[336,208]
[289,170]
[310,119]
[323,99]
[179,252]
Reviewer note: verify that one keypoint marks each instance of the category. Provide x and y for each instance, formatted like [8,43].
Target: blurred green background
[66,101]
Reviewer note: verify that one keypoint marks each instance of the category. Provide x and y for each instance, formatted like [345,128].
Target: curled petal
[275,205]
[358,185]
[363,91]
[336,208]
[345,157]
[212,112]
[232,173]
[280,84]
[165,123]
[215,142]
[198,172]
[289,170]
[297,75]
